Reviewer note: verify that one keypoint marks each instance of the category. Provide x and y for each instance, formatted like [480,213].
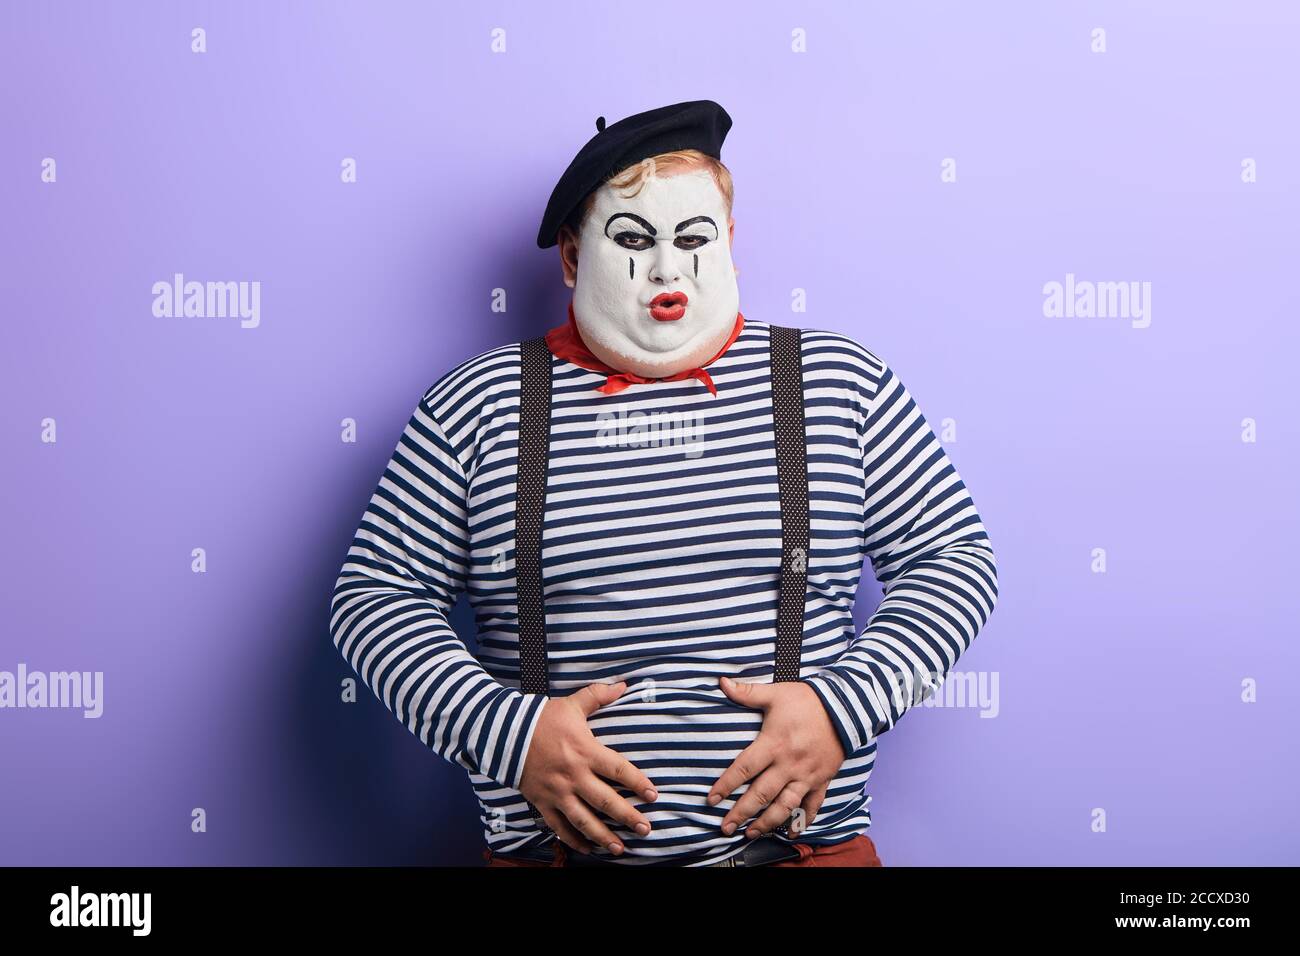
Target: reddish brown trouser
[859,851]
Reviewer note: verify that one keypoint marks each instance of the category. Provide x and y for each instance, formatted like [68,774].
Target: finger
[612,765]
[564,831]
[586,822]
[602,798]
[810,805]
[778,814]
[748,694]
[749,763]
[766,788]
[595,696]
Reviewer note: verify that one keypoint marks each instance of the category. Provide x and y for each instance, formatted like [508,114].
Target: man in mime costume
[660,512]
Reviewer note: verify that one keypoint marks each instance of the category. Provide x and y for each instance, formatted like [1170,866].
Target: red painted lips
[668,306]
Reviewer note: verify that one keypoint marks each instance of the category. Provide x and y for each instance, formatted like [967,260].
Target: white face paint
[669,238]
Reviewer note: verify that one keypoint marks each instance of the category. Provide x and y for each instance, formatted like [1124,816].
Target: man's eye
[636,241]
[689,242]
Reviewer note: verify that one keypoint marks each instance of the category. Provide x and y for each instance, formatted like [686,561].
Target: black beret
[699,124]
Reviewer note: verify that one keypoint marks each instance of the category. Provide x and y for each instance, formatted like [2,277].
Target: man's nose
[664,267]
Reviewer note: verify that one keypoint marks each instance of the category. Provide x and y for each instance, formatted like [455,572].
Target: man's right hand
[564,769]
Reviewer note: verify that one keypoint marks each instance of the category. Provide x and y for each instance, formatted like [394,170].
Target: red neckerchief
[566,343]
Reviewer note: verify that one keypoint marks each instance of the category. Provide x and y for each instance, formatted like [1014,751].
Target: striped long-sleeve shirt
[661,560]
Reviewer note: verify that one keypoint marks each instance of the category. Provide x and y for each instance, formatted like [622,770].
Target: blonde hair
[634,178]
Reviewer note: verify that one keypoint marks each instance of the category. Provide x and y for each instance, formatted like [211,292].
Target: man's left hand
[791,762]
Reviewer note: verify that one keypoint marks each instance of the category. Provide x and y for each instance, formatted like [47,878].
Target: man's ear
[568,243]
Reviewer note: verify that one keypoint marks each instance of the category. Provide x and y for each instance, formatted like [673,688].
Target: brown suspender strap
[530,504]
[792,477]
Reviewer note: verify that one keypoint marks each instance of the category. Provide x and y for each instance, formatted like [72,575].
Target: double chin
[613,346]
[632,343]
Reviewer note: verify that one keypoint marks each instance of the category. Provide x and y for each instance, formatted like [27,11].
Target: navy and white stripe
[662,570]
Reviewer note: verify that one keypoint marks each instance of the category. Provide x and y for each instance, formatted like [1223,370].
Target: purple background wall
[1120,691]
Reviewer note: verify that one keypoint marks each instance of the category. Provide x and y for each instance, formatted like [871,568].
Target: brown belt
[759,851]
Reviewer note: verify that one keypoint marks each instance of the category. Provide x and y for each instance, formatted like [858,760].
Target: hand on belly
[682,735]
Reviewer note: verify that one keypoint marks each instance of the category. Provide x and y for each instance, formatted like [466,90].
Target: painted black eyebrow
[629,215]
[690,222]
